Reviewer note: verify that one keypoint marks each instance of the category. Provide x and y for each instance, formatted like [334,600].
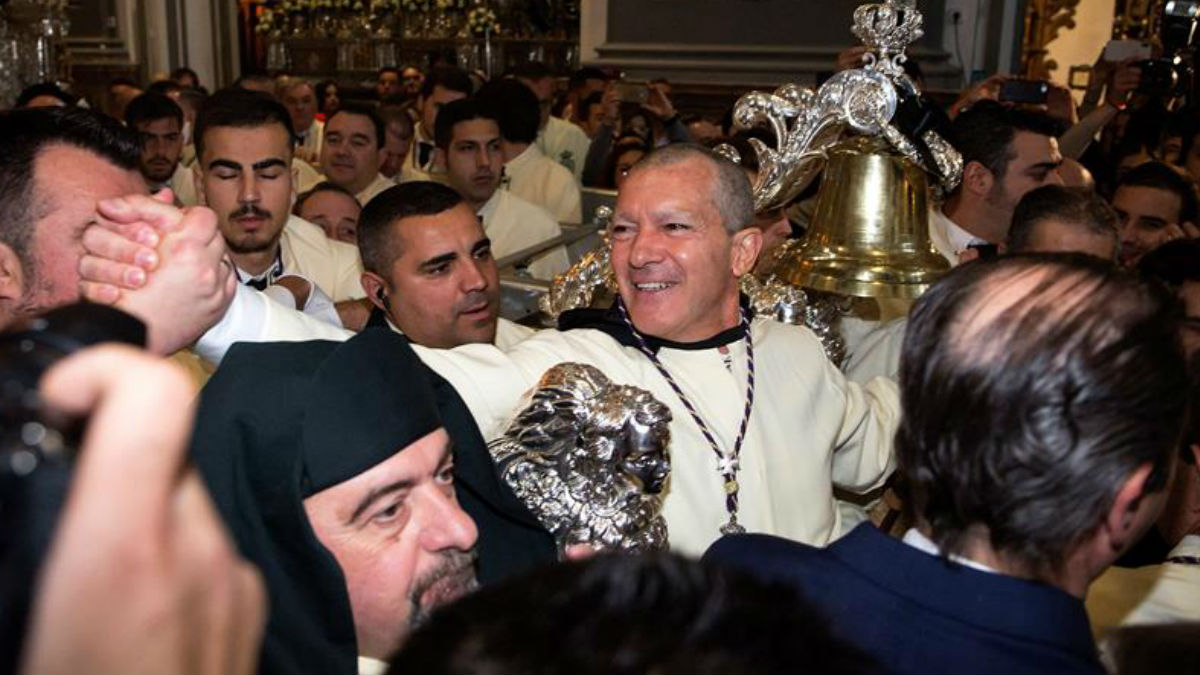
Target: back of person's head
[397,114]
[27,132]
[514,107]
[255,82]
[43,89]
[1033,388]
[1080,208]
[240,109]
[149,107]
[164,87]
[1173,264]
[323,186]
[362,110]
[192,98]
[530,70]
[462,110]
[446,77]
[580,77]
[1163,177]
[621,614]
[984,133]
[376,245]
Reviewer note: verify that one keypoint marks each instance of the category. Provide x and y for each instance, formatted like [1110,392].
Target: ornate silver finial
[887,29]
[819,312]
[589,458]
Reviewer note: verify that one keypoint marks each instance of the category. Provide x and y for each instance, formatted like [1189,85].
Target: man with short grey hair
[742,388]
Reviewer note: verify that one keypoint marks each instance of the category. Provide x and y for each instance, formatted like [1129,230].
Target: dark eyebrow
[1044,166]
[360,136]
[377,494]
[268,163]
[438,260]
[481,244]
[224,163]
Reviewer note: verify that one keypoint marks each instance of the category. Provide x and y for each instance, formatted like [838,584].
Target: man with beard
[1006,153]
[468,145]
[244,151]
[159,122]
[1156,205]
[352,153]
[340,487]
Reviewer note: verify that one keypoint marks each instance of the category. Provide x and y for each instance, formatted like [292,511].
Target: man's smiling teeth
[655,286]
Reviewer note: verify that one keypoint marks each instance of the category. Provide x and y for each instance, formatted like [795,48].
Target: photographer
[141,575]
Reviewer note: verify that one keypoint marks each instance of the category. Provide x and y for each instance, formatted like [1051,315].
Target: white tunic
[1154,594]
[310,140]
[334,266]
[566,144]
[412,169]
[514,224]
[810,426]
[379,184]
[540,180]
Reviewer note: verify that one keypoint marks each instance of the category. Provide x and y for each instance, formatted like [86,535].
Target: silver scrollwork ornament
[589,458]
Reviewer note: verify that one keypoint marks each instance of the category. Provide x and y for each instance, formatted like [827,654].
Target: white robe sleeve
[863,451]
[253,317]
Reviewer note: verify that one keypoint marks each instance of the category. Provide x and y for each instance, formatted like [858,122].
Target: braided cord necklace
[727,463]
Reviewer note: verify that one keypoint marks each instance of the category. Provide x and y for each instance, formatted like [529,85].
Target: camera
[37,448]
[1174,74]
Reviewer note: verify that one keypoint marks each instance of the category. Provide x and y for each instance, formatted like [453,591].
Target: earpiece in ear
[382,298]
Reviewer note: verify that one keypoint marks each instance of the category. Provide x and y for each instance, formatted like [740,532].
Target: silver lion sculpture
[589,458]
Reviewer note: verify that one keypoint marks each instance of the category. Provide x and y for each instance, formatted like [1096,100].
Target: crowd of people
[325,268]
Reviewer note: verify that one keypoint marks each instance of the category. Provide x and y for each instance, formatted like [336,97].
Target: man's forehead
[63,171]
[1148,200]
[350,123]
[476,130]
[1033,148]
[429,236]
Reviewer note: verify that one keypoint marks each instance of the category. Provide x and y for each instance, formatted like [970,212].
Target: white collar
[919,541]
[527,156]
[1188,546]
[490,206]
[958,238]
[371,666]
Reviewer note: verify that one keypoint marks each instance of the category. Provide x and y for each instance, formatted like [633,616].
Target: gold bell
[870,231]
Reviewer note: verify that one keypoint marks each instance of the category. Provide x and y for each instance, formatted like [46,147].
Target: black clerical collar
[609,322]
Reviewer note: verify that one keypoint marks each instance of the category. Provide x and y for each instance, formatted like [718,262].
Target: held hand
[657,102]
[1124,80]
[141,575]
[179,290]
[612,104]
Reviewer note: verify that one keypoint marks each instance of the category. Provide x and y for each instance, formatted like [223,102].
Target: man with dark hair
[1005,153]
[244,159]
[398,138]
[1177,264]
[468,142]
[159,122]
[63,170]
[557,138]
[300,99]
[683,617]
[530,175]
[1155,204]
[256,82]
[353,151]
[591,114]
[44,95]
[69,158]
[387,84]
[189,101]
[186,77]
[121,90]
[1043,399]
[442,85]
[332,208]
[429,269]
[1060,219]
[583,83]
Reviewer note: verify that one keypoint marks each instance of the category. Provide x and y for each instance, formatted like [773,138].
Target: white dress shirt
[514,224]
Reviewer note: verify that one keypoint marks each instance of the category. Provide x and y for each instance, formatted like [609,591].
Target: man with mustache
[244,151]
[340,487]
[468,145]
[159,122]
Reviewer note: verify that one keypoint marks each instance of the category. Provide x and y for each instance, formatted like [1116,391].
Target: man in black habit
[355,483]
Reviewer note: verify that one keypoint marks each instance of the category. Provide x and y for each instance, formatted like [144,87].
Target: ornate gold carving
[1043,20]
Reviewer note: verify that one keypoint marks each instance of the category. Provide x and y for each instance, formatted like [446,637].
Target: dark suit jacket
[918,613]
